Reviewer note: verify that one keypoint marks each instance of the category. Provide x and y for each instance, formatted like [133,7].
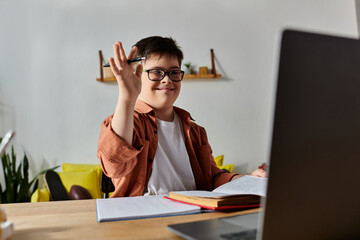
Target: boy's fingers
[113,67]
[122,53]
[259,173]
[117,54]
[262,173]
[132,52]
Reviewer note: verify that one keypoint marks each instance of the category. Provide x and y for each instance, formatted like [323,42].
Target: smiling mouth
[165,89]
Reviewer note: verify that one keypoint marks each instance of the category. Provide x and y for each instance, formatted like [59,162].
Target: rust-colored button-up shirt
[129,166]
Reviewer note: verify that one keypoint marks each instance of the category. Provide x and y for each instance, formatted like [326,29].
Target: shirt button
[155,132]
[149,160]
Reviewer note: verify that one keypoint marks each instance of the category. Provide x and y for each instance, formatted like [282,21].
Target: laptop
[313,189]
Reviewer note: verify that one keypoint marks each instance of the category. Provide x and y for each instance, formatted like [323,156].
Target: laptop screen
[313,190]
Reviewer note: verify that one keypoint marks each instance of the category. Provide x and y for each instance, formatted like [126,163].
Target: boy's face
[161,94]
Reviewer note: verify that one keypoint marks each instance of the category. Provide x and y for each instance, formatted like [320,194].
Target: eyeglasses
[158,75]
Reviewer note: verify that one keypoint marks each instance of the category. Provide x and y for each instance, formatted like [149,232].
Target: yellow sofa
[88,176]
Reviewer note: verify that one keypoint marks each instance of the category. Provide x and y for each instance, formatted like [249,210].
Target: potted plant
[17,184]
[187,68]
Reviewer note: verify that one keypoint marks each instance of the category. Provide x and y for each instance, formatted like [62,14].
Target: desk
[77,220]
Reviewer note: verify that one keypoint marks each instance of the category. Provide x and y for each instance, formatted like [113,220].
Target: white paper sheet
[245,185]
[126,208]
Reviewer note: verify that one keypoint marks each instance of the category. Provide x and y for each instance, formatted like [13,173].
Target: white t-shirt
[171,169]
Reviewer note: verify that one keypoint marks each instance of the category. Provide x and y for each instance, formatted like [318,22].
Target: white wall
[49,63]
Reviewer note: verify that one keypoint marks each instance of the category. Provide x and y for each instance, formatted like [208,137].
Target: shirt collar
[142,107]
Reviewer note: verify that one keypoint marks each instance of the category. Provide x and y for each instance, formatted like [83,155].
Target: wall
[49,63]
[357,6]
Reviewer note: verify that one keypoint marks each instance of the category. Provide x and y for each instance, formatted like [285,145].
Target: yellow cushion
[219,163]
[86,179]
[40,195]
[219,160]
[71,167]
[228,167]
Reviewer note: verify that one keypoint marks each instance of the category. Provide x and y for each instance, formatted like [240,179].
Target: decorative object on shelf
[203,70]
[202,74]
[187,68]
[213,62]
[108,73]
[107,69]
[108,76]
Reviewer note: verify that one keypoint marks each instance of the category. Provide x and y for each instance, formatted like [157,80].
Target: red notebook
[218,208]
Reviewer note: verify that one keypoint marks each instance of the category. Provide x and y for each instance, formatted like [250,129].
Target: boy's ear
[139,70]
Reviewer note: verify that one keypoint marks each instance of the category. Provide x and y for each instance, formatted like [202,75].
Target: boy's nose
[166,79]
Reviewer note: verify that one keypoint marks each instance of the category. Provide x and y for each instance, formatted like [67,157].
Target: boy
[148,146]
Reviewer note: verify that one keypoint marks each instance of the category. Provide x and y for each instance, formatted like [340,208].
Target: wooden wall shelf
[109,79]
[204,76]
[213,74]
[104,78]
[186,76]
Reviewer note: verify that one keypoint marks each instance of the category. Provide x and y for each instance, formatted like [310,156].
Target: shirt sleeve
[116,156]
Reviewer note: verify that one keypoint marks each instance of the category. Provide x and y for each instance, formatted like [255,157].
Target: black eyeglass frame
[164,74]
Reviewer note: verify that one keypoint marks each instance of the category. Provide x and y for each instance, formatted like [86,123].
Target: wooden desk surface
[77,220]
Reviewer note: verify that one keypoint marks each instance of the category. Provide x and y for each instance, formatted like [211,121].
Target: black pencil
[131,60]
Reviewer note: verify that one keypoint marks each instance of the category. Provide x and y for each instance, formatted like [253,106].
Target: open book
[126,208]
[243,192]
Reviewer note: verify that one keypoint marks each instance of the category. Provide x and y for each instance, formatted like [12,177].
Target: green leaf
[9,181]
[3,162]
[17,181]
[8,170]
[13,162]
[1,192]
[26,168]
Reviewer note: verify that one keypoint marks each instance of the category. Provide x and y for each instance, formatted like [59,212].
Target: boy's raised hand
[256,173]
[259,173]
[129,82]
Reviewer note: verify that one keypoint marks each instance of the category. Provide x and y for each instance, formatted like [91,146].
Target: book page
[244,185]
[125,208]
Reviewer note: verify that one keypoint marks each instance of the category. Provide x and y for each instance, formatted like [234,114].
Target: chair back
[107,185]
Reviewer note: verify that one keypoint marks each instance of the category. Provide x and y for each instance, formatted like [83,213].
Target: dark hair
[160,45]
